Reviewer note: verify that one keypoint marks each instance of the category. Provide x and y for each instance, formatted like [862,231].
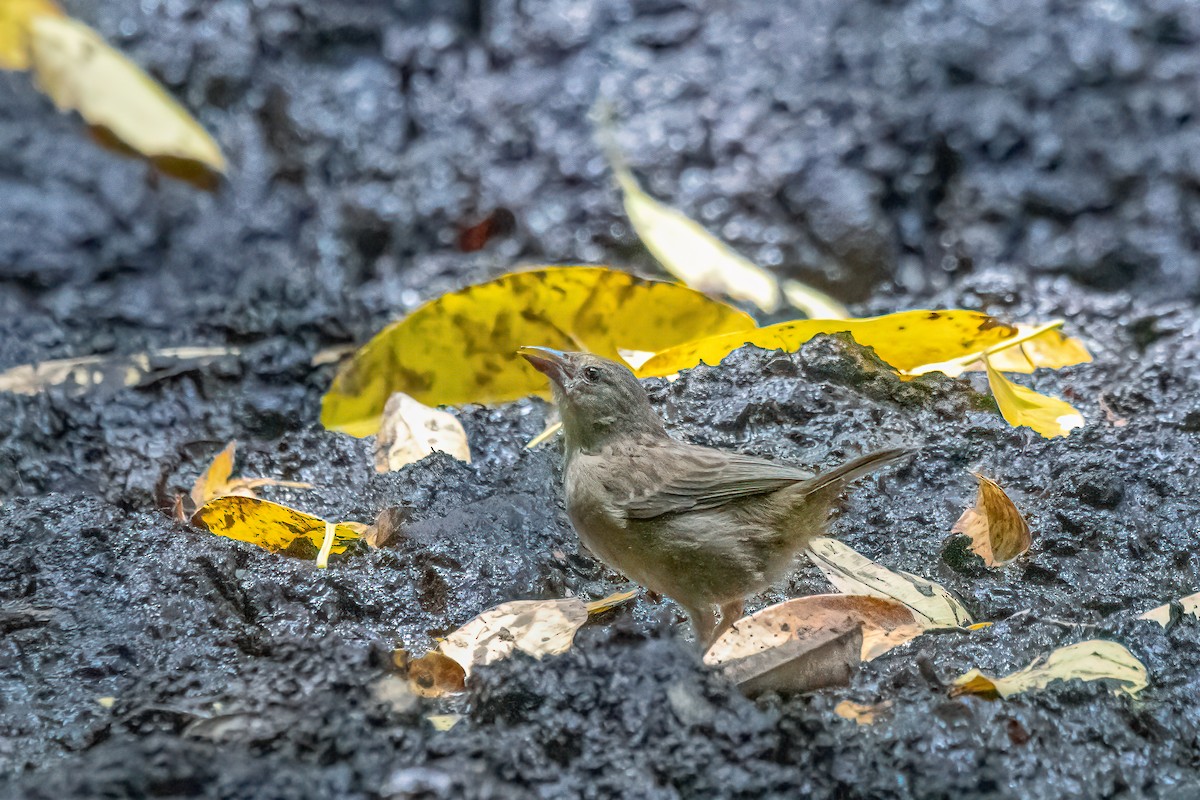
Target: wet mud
[1022,158]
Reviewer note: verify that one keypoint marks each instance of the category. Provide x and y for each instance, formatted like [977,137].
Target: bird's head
[598,399]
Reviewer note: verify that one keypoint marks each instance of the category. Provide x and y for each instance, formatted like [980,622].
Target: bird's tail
[856,468]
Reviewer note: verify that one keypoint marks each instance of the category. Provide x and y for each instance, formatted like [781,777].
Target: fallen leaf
[905,340]
[387,524]
[612,601]
[1049,416]
[546,435]
[461,347]
[15,19]
[1088,661]
[996,528]
[1033,347]
[885,624]
[81,72]
[692,254]
[860,713]
[412,430]
[106,702]
[852,573]
[79,375]
[435,674]
[815,659]
[814,303]
[443,722]
[536,627]
[396,692]
[216,481]
[273,526]
[1050,349]
[1113,418]
[1162,614]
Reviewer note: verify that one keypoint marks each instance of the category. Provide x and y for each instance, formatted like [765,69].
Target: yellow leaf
[1051,349]
[537,627]
[1033,347]
[997,530]
[81,72]
[905,340]
[546,435]
[15,19]
[814,303]
[852,573]
[412,430]
[461,348]
[612,601]
[272,526]
[885,624]
[1162,614]
[1088,661]
[1049,416]
[692,254]
[216,481]
[443,722]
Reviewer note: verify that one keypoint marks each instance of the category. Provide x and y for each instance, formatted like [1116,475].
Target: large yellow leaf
[461,348]
[81,72]
[15,18]
[1088,661]
[1049,416]
[273,526]
[905,340]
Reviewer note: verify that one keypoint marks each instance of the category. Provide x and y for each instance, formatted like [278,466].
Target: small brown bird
[704,527]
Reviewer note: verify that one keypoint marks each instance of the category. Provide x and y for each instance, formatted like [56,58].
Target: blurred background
[383,152]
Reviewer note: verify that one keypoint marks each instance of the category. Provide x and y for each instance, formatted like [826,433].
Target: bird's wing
[680,477]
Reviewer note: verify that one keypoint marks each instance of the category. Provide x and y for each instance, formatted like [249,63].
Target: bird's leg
[704,622]
[731,612]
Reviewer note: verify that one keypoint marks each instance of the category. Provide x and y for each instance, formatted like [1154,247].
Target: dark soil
[1032,159]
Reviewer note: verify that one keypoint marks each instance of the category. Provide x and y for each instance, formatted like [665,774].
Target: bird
[704,527]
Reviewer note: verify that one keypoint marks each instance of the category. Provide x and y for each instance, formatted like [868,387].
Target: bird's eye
[591,374]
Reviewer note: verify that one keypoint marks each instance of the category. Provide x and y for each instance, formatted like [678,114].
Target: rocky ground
[1031,159]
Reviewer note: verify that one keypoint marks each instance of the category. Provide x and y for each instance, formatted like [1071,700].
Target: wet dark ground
[1028,158]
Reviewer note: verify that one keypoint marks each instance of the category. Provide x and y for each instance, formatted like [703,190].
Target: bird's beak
[552,363]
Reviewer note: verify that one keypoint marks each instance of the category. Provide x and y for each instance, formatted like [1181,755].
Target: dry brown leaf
[435,674]
[996,528]
[885,624]
[861,713]
[814,659]
[536,627]
[412,430]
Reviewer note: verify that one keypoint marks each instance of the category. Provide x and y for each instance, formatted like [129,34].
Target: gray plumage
[702,526]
